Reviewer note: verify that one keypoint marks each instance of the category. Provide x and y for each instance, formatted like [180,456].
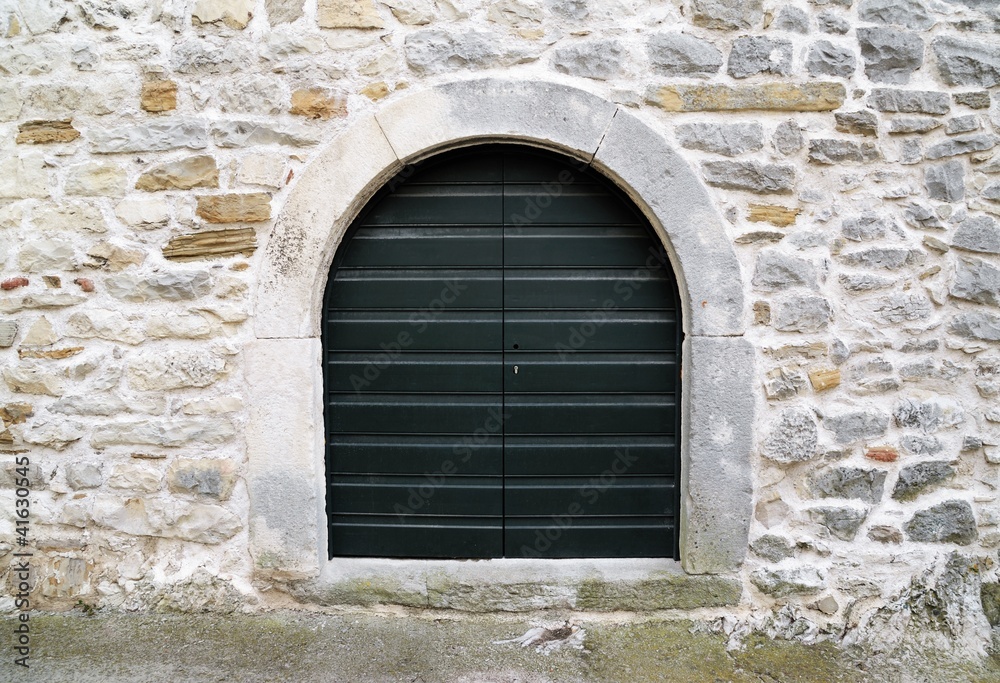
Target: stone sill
[518,585]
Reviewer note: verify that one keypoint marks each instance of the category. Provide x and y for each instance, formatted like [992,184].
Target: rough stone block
[978,233]
[842,522]
[849,482]
[854,426]
[318,103]
[827,59]
[207,477]
[764,97]
[780,583]
[802,313]
[678,54]
[730,139]
[183,174]
[911,14]
[253,207]
[843,151]
[909,101]
[751,55]
[890,56]
[361,14]
[211,244]
[751,176]
[792,438]
[158,96]
[46,132]
[728,15]
[948,522]
[916,479]
[596,59]
[962,145]
[967,62]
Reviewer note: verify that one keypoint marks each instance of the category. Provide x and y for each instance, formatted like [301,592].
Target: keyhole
[516,347]
[515,369]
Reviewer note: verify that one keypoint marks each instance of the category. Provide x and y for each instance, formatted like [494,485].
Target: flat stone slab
[425,646]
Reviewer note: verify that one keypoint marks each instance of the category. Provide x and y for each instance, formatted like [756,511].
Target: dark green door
[502,345]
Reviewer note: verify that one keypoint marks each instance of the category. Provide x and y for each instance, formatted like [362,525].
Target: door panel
[502,344]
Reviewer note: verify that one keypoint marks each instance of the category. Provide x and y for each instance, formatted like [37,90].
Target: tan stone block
[53,354]
[764,97]
[252,207]
[159,96]
[115,258]
[96,179]
[318,103]
[761,313]
[211,244]
[822,380]
[183,174]
[348,14]
[41,333]
[375,91]
[15,413]
[235,14]
[775,215]
[45,132]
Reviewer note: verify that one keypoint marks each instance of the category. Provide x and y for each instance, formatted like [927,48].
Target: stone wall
[148,147]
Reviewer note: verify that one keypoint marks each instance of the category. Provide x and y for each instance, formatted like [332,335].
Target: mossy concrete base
[520,585]
[302,647]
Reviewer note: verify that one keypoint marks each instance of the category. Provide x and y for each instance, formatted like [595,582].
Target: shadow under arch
[285,477]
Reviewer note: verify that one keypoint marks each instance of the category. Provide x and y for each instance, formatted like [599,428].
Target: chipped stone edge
[334,189]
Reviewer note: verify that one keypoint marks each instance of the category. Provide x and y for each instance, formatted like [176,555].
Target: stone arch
[285,434]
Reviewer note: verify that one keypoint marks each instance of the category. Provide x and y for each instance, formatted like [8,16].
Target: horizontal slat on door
[424,290]
[585,289]
[402,413]
[607,495]
[575,414]
[554,204]
[566,536]
[424,247]
[407,495]
[422,330]
[430,537]
[577,246]
[414,371]
[596,330]
[574,455]
[583,372]
[436,455]
[439,205]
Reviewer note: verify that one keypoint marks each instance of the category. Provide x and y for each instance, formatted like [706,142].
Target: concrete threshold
[430,646]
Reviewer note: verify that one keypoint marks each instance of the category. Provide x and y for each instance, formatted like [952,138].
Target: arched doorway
[502,342]
[285,471]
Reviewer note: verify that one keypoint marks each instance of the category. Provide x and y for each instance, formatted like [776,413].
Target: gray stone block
[842,522]
[780,583]
[728,139]
[978,233]
[949,522]
[976,280]
[827,59]
[916,479]
[730,15]
[890,56]
[596,59]
[887,258]
[752,55]
[830,22]
[849,482]
[909,101]
[976,325]
[776,270]
[962,145]
[912,14]
[792,19]
[843,151]
[967,62]
[857,122]
[946,182]
[772,548]
[678,54]
[792,438]
[854,426]
[802,313]
[751,176]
